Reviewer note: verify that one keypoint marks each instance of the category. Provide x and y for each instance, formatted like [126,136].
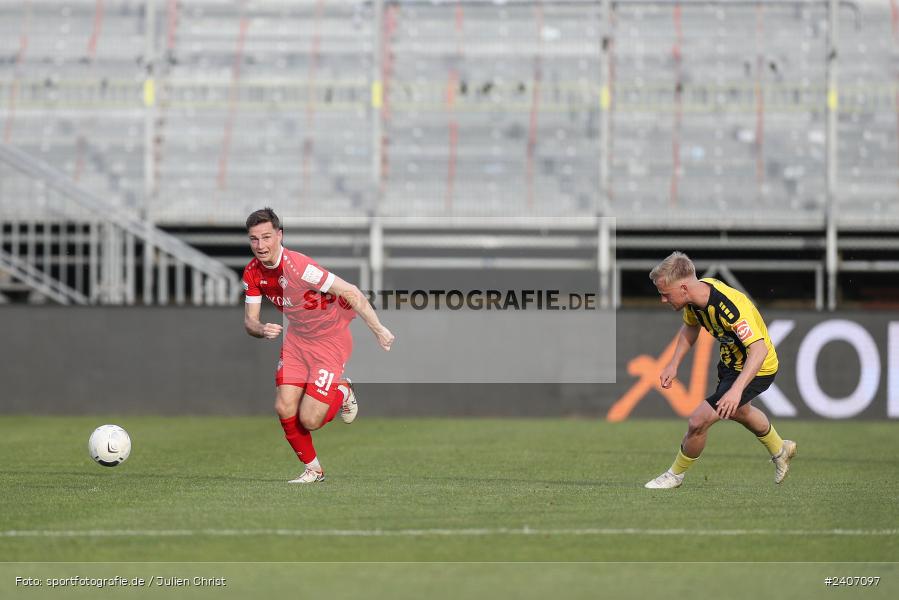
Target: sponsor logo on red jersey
[313,274]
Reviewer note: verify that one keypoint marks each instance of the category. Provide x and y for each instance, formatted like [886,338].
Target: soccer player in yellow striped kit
[747,366]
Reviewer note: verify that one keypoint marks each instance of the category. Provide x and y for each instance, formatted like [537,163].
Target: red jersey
[298,287]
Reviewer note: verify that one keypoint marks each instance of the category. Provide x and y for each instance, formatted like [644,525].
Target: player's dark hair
[263,215]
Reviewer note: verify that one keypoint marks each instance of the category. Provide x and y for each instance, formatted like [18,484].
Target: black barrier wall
[199,361]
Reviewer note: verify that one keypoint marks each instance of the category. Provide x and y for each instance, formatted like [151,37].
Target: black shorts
[726,378]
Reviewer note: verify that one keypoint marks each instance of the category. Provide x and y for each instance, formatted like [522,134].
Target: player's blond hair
[675,267]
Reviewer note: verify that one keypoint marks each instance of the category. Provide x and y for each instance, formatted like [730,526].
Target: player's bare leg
[313,413]
[698,429]
[287,400]
[781,451]
[694,442]
[752,419]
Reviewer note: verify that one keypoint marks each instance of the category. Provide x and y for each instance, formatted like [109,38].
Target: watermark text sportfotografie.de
[496,300]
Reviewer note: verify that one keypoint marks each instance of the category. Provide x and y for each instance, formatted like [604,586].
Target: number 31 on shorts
[324,380]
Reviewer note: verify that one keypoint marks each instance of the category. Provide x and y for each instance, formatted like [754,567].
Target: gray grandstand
[395,136]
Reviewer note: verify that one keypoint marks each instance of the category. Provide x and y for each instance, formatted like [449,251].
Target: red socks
[299,439]
[333,409]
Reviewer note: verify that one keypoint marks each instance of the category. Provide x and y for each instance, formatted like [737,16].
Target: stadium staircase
[85,249]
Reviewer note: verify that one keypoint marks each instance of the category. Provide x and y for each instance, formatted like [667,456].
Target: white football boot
[782,460]
[350,407]
[666,480]
[309,476]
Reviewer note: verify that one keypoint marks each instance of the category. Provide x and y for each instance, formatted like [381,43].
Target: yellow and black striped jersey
[735,322]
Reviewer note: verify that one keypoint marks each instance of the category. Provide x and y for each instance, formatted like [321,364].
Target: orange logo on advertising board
[683,400]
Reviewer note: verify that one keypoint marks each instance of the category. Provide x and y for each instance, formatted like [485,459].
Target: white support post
[364,277]
[196,291]
[107,260]
[819,287]
[130,268]
[148,278]
[62,245]
[832,112]
[45,243]
[15,236]
[376,237]
[377,100]
[605,256]
[93,249]
[120,265]
[79,257]
[162,279]
[179,283]
[46,269]
[607,41]
[604,260]
[31,234]
[149,171]
[221,291]
[115,265]
[376,254]
[209,289]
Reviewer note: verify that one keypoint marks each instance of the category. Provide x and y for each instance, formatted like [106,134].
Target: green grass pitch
[568,492]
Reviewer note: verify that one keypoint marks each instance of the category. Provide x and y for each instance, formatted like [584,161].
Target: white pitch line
[528,531]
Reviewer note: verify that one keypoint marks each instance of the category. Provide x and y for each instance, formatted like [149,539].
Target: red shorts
[315,365]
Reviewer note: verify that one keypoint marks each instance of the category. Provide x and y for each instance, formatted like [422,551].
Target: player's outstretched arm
[357,300]
[257,328]
[686,337]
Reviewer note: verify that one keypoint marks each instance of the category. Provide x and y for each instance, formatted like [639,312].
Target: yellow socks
[682,462]
[772,441]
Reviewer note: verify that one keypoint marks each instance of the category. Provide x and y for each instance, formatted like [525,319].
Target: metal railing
[88,250]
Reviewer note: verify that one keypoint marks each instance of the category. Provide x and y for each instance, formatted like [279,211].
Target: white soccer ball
[109,445]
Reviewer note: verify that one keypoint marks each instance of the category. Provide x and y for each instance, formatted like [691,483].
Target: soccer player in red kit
[318,307]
